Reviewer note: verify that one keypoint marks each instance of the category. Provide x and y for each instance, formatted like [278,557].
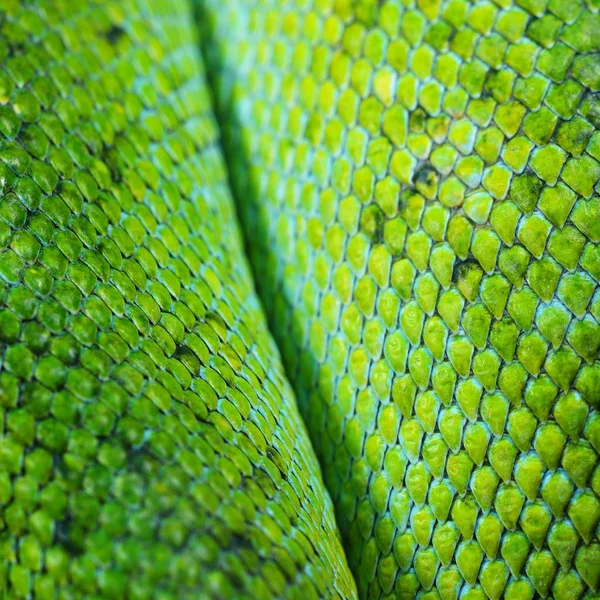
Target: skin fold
[150,445]
[418,186]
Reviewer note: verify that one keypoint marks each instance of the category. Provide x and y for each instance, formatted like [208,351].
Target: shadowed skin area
[150,445]
[418,186]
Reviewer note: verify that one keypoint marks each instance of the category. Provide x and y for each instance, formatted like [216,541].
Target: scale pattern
[150,445]
[418,181]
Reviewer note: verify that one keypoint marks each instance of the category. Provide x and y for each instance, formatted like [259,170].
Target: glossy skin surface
[150,445]
[418,183]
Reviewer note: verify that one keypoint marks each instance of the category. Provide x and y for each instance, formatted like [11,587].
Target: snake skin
[418,185]
[150,445]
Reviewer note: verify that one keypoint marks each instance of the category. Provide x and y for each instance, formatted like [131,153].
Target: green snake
[300,299]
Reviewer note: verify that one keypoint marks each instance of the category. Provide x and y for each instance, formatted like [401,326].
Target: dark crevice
[254,228]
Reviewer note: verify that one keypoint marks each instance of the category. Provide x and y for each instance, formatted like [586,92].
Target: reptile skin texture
[418,186]
[150,445]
